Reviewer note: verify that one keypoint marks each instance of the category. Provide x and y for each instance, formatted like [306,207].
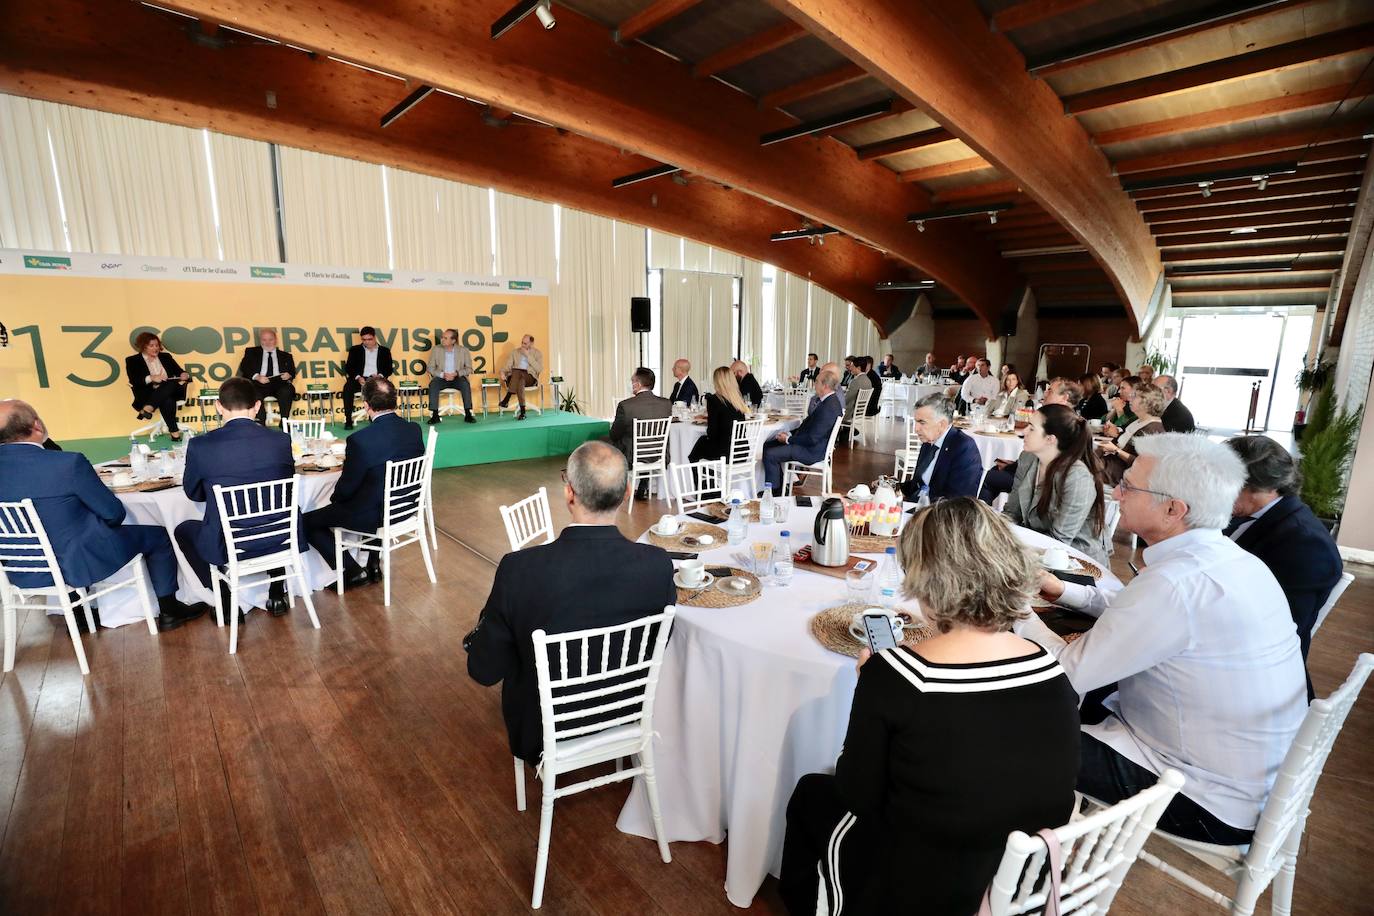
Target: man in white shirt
[980,386]
[1201,646]
[449,367]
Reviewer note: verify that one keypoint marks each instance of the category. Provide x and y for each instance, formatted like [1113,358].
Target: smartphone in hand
[878,629]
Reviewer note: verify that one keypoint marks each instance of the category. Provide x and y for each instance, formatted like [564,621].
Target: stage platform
[492,438]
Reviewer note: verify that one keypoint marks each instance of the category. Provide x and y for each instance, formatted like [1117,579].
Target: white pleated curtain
[247,206]
[697,311]
[439,225]
[30,215]
[333,210]
[524,238]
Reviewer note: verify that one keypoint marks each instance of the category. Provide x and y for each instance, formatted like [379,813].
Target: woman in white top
[1010,398]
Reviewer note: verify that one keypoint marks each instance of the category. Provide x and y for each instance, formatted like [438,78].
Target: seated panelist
[366,360]
[450,364]
[157,380]
[271,371]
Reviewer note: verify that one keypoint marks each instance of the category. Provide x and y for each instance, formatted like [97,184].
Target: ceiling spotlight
[1244,230]
[992,217]
[920,225]
[1263,181]
[511,17]
[1206,188]
[544,12]
[811,233]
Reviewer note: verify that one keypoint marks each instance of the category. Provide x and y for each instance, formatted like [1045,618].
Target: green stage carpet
[491,438]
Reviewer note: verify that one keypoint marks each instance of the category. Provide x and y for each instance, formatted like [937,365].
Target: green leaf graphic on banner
[499,308]
[483,321]
[500,337]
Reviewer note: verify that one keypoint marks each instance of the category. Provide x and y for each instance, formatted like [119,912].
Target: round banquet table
[169,508]
[748,702]
[907,394]
[683,435]
[992,446]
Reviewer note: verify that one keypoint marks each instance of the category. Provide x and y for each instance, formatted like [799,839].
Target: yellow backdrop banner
[69,335]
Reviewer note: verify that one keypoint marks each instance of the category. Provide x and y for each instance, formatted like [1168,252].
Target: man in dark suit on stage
[366,360]
[643,404]
[271,371]
[1176,418]
[592,576]
[361,491]
[1273,523]
[83,519]
[748,385]
[806,443]
[239,452]
[684,389]
[948,464]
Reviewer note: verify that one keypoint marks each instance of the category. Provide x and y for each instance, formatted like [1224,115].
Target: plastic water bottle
[890,579]
[923,498]
[766,508]
[735,526]
[782,561]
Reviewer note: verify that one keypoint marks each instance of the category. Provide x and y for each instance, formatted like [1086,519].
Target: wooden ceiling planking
[904,144]
[1315,203]
[1242,252]
[1318,162]
[756,45]
[1033,12]
[1250,146]
[651,17]
[980,190]
[1251,192]
[1332,227]
[946,169]
[842,75]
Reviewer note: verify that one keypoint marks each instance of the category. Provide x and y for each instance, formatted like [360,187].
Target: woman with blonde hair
[923,779]
[724,406]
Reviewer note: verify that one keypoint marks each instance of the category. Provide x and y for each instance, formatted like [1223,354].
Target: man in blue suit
[807,442]
[81,516]
[360,494]
[684,389]
[239,452]
[949,464]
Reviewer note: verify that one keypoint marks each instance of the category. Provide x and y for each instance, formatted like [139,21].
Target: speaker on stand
[640,322]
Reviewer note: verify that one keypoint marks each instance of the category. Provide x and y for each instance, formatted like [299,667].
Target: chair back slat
[259,519]
[24,545]
[795,401]
[405,492]
[528,520]
[697,483]
[746,441]
[650,445]
[309,428]
[1339,589]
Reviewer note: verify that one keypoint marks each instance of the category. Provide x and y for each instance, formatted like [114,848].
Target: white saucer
[1074,566]
[706,579]
[666,534]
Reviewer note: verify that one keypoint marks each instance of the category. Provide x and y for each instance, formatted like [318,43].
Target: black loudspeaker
[639,314]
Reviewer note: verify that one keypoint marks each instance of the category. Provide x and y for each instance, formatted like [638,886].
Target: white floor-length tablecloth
[903,401]
[992,446]
[682,436]
[748,703]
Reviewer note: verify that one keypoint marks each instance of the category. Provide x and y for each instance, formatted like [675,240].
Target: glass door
[1222,357]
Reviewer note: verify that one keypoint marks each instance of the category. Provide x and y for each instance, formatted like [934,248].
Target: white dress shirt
[156,371]
[370,361]
[1241,528]
[450,360]
[274,368]
[979,386]
[522,361]
[1205,655]
[930,468]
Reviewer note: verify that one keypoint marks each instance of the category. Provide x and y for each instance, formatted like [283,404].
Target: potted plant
[1158,361]
[568,402]
[1327,449]
[1310,380]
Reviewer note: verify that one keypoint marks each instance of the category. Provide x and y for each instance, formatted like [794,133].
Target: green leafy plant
[1313,377]
[568,402]
[1323,409]
[1326,455]
[1156,359]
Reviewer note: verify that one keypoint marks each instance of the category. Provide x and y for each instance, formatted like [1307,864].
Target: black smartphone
[681,555]
[720,571]
[703,517]
[1075,578]
[878,629]
[804,501]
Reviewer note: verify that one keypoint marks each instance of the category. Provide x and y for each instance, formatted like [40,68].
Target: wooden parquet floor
[357,769]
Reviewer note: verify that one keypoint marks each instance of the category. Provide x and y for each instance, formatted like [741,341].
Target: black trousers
[824,840]
[350,391]
[319,527]
[282,390]
[1109,777]
[164,399]
[997,482]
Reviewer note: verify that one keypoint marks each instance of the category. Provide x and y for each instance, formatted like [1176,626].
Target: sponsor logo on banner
[111,265]
[483,284]
[153,268]
[45,262]
[520,284]
[268,273]
[212,271]
[371,277]
[328,275]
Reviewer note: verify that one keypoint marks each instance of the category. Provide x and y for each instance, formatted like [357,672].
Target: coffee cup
[328,461]
[692,571]
[667,525]
[1095,425]
[861,492]
[122,478]
[856,623]
[1055,558]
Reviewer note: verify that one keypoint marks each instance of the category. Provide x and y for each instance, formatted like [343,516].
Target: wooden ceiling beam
[1251,193]
[940,55]
[1227,69]
[1031,12]
[1268,288]
[1347,160]
[1327,264]
[843,75]
[945,169]
[1242,253]
[1237,149]
[1315,203]
[903,144]
[651,17]
[1335,227]
[984,190]
[780,35]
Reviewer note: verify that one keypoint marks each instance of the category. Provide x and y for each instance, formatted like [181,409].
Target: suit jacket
[438,357]
[887,371]
[1070,512]
[958,469]
[79,512]
[354,365]
[851,394]
[644,406]
[808,376]
[251,364]
[590,577]
[749,387]
[1300,553]
[1179,419]
[813,435]
[362,482]
[137,371]
[720,430]
[876,402]
[238,452]
[684,391]
[533,357]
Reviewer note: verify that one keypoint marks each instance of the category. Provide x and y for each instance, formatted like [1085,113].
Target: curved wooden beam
[940,55]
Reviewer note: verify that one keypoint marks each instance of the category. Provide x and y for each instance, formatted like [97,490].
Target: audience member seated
[859,381]
[450,366]
[1058,485]
[366,360]
[1270,521]
[360,494]
[522,369]
[239,452]
[157,380]
[684,389]
[1093,406]
[875,402]
[1146,374]
[922,781]
[1105,380]
[1147,403]
[928,369]
[1200,646]
[1119,415]
[816,398]
[1176,417]
[642,404]
[748,385]
[270,371]
[980,387]
[889,369]
[83,519]
[807,443]
[724,407]
[850,370]
[1110,390]
[808,375]
[1002,474]
[956,370]
[591,576]
[948,464]
[1010,398]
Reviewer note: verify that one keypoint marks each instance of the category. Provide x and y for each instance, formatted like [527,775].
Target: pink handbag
[1056,863]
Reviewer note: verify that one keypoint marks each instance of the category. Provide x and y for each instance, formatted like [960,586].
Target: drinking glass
[763,559]
[859,586]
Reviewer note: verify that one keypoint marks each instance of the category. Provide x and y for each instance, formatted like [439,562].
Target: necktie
[272,364]
[923,460]
[1236,522]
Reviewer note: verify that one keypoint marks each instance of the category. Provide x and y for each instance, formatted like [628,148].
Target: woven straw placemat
[870,543]
[1088,568]
[714,595]
[147,486]
[695,529]
[831,629]
[722,512]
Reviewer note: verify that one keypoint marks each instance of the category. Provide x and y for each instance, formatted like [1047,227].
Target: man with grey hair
[948,464]
[1176,417]
[591,576]
[449,365]
[808,442]
[1200,646]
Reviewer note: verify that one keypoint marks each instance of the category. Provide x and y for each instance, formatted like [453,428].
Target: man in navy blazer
[360,494]
[1271,522]
[948,464]
[366,359]
[83,519]
[684,389]
[239,452]
[806,443]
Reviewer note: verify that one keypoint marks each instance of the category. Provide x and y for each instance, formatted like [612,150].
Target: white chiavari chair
[431,447]
[746,444]
[858,424]
[403,523]
[905,464]
[310,428]
[528,521]
[1339,589]
[649,454]
[792,471]
[698,484]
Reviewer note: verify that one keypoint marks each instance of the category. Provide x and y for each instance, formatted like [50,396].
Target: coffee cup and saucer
[667,526]
[899,621]
[692,575]
[1058,558]
[121,480]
